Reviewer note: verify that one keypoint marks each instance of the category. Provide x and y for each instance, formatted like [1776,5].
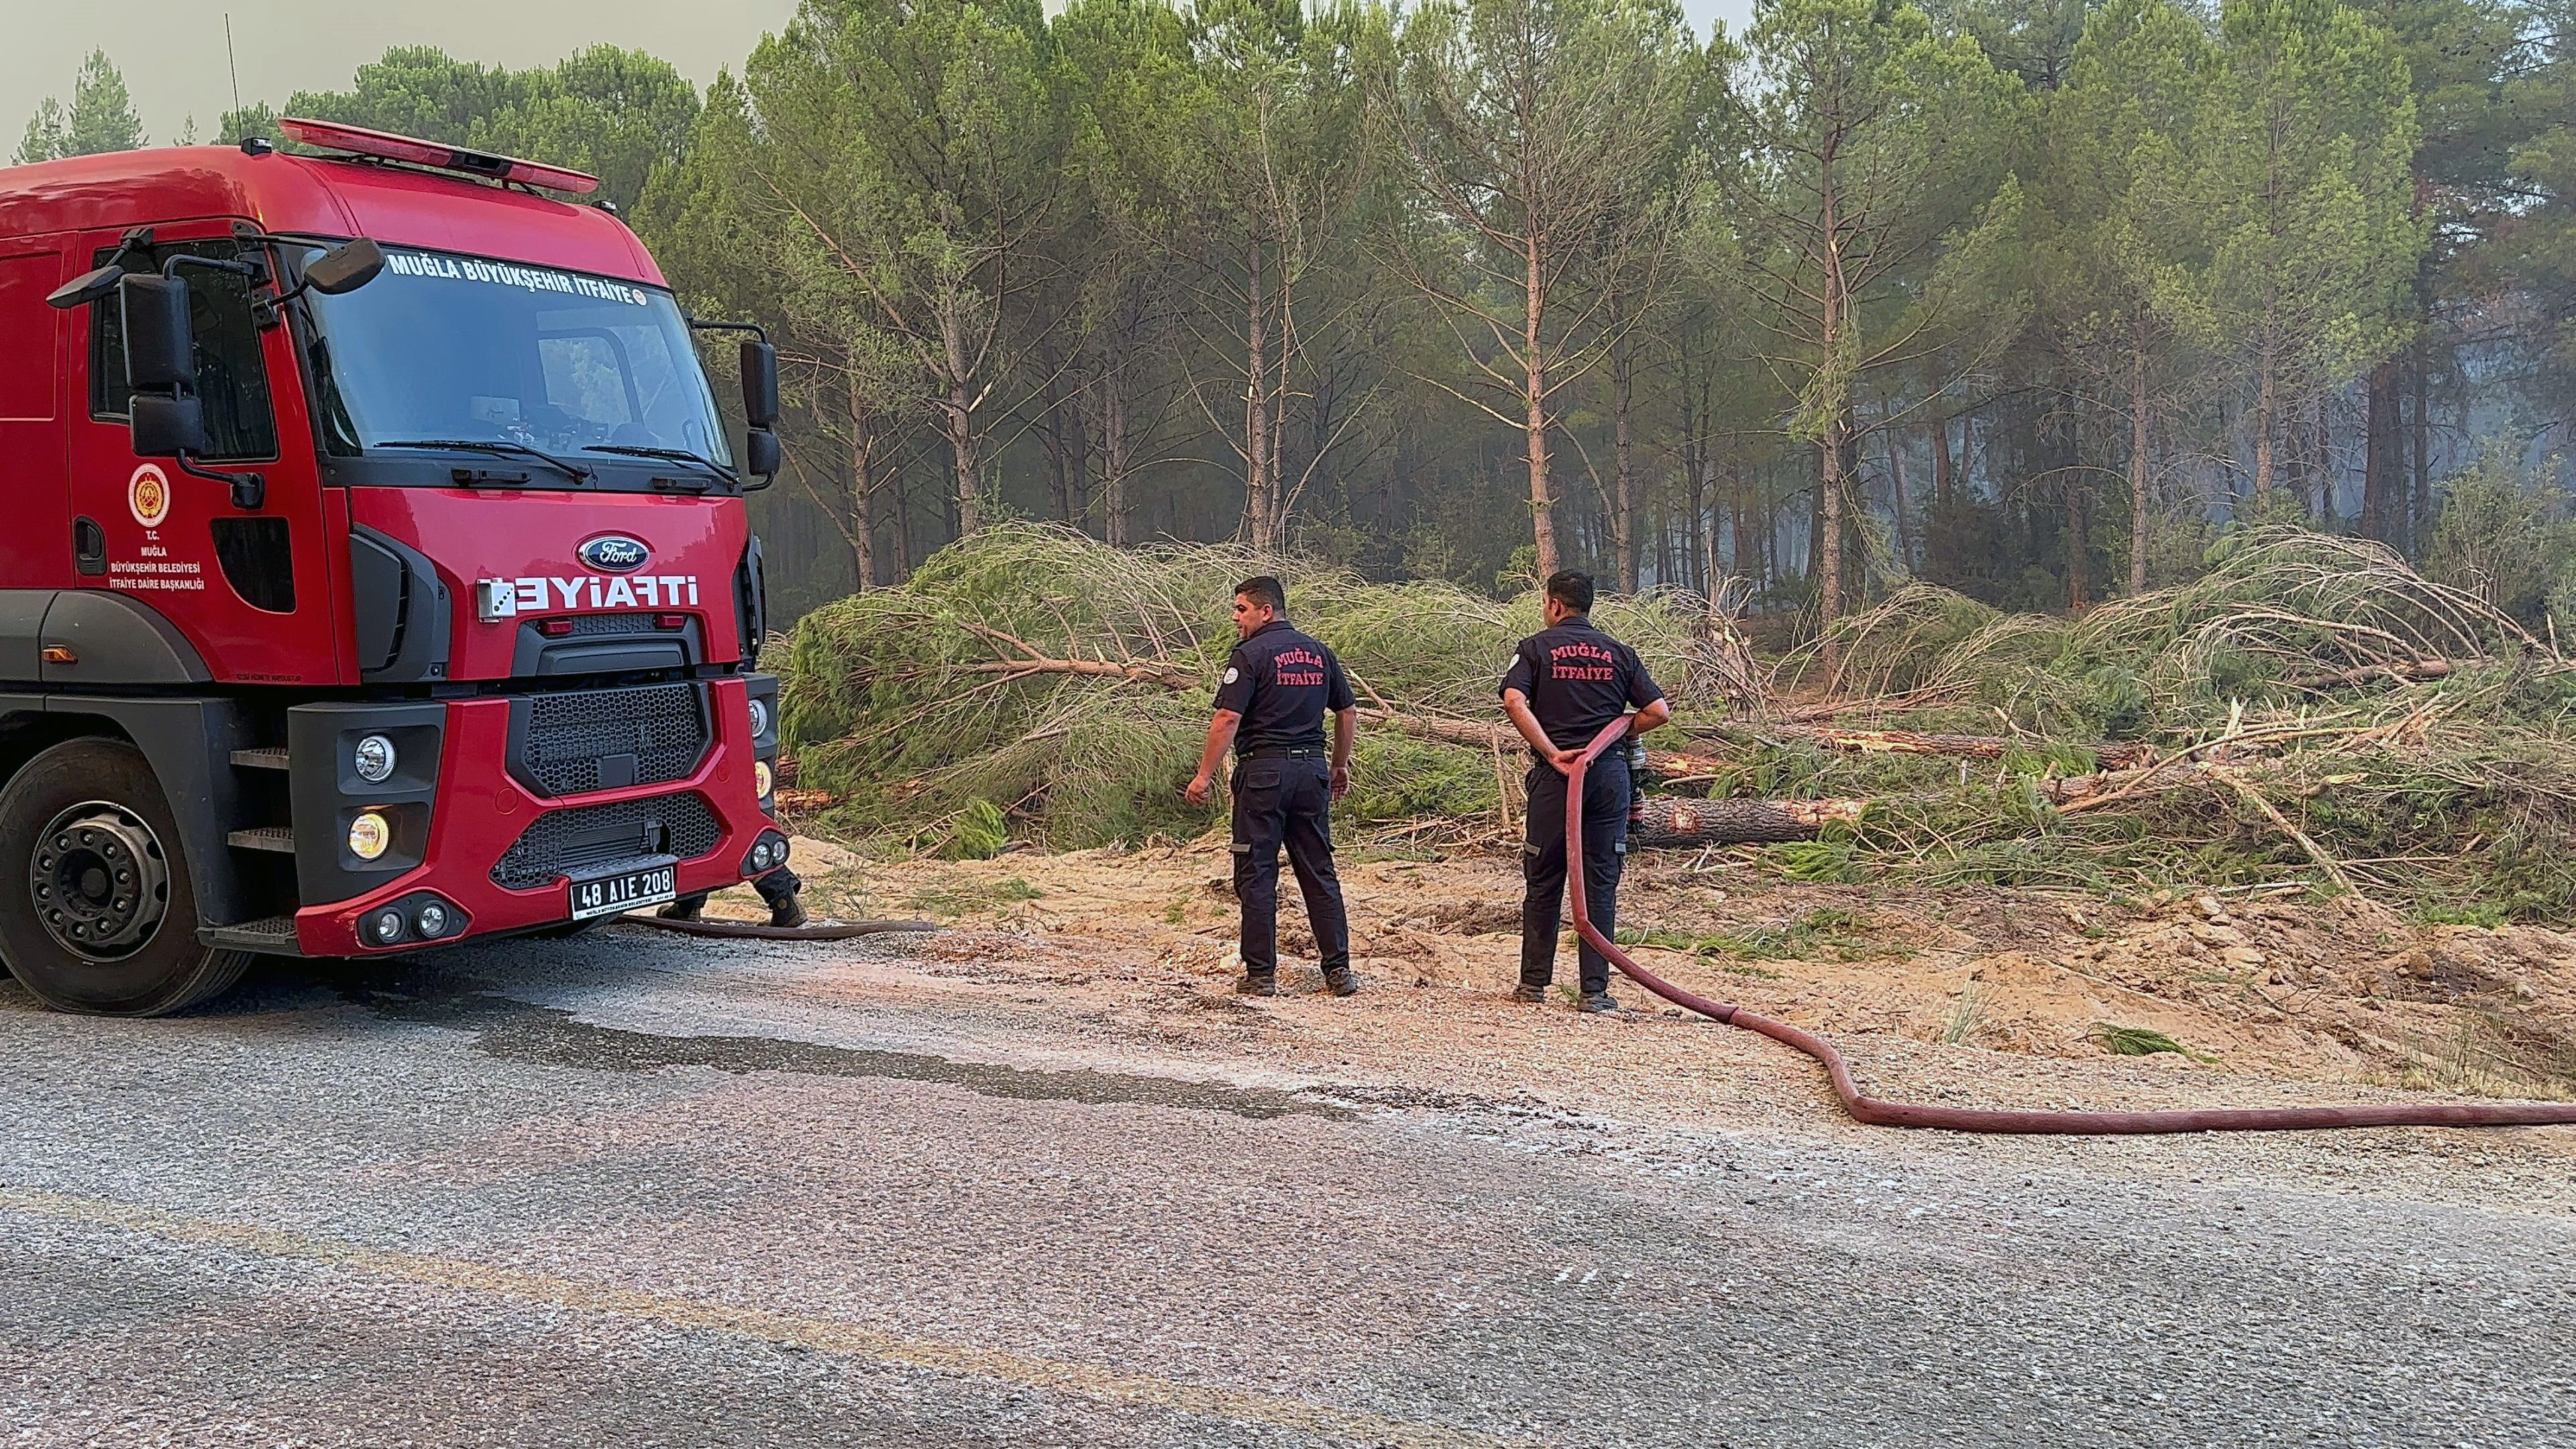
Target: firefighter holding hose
[1566,684]
[1270,705]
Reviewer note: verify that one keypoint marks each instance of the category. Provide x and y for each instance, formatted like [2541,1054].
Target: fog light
[760,720]
[760,856]
[763,777]
[387,926]
[431,919]
[374,759]
[370,836]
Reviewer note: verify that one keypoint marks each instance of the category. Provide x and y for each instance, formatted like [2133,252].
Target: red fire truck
[379,573]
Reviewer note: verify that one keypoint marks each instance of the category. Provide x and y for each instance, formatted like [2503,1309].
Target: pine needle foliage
[2320,714]
[901,702]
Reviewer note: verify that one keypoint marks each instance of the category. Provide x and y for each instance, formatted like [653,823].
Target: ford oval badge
[615,553]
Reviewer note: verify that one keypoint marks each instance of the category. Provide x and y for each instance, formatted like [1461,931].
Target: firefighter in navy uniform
[1565,685]
[1270,706]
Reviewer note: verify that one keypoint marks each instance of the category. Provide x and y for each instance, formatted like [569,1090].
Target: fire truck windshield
[441,346]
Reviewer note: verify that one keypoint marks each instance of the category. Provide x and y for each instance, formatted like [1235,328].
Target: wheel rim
[100,881]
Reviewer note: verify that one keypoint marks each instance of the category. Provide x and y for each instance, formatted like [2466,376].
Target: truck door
[251,589]
[31,445]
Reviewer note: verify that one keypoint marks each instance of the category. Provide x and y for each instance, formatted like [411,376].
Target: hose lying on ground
[1974,1119]
[759,931]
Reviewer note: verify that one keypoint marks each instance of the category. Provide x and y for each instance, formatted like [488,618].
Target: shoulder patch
[1232,674]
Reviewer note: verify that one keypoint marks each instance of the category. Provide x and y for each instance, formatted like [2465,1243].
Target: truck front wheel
[96,912]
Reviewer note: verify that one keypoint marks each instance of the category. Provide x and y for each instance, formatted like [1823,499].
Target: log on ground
[1665,821]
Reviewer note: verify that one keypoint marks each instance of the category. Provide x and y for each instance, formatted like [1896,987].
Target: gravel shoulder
[1131,953]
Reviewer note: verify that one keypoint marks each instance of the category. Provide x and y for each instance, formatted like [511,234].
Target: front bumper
[493,835]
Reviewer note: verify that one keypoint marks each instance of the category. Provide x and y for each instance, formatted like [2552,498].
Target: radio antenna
[229,65]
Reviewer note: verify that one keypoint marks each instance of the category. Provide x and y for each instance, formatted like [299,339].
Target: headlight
[374,759]
[762,778]
[369,836]
[759,719]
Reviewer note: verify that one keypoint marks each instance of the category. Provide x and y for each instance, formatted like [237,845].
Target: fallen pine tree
[2311,710]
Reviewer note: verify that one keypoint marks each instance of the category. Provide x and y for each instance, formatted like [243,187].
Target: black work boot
[1597,1001]
[782,891]
[686,908]
[1533,995]
[1258,983]
[1339,981]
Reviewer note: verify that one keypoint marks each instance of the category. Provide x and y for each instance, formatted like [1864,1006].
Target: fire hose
[1881,1113]
[758,931]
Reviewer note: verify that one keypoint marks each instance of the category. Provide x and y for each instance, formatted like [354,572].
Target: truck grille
[592,626]
[560,842]
[607,739]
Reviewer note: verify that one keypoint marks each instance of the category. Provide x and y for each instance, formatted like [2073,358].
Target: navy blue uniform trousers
[1605,841]
[1286,801]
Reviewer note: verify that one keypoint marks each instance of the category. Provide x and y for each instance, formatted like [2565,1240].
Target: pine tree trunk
[2264,419]
[1256,396]
[900,533]
[969,503]
[2321,448]
[863,523]
[1534,400]
[1668,821]
[2140,510]
[1113,459]
[1897,487]
[2077,595]
[1051,438]
[1623,462]
[2379,518]
[958,410]
[2422,512]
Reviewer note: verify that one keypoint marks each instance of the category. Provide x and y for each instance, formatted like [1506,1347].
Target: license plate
[610,894]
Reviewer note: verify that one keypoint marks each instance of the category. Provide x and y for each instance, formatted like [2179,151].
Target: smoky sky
[172,51]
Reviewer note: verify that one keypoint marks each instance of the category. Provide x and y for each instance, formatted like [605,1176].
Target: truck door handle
[89,546]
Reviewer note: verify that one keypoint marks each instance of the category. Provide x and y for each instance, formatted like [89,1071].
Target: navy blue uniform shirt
[1281,682]
[1578,679]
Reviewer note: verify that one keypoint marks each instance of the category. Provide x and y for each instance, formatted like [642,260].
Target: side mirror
[760,387]
[762,456]
[167,427]
[160,342]
[88,287]
[345,268]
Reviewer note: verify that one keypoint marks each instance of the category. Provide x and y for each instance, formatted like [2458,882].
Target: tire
[156,965]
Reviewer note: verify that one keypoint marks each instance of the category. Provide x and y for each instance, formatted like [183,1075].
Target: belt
[1284,752]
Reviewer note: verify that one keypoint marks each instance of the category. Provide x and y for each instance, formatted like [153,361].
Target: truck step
[260,759]
[272,937]
[267,837]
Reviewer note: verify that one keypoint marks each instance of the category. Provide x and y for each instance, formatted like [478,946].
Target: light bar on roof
[358,140]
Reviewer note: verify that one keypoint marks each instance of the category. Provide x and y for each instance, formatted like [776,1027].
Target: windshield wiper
[574,471]
[676,455]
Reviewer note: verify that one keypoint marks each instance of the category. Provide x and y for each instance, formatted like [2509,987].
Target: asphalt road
[638,1191]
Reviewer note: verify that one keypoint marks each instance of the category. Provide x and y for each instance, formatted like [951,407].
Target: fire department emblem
[147,496]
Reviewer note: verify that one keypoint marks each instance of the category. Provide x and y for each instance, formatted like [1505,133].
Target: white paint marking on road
[821,1334]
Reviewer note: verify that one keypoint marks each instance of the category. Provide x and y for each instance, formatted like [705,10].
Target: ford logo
[615,554]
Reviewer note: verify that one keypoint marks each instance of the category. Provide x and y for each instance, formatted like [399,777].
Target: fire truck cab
[378,573]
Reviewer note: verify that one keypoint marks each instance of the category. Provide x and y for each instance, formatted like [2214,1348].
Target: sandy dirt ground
[1972,997]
